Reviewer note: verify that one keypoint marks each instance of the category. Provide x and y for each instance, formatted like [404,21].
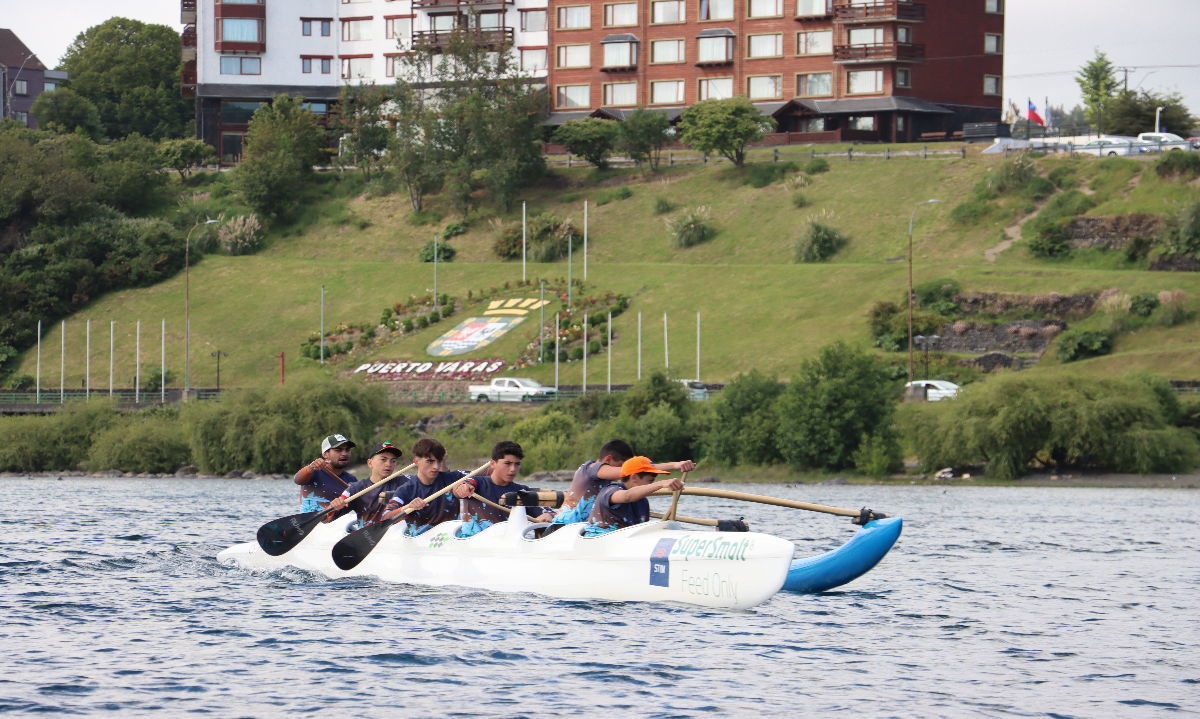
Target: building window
[235,112]
[620,54]
[814,84]
[573,96]
[715,49]
[398,28]
[666,51]
[666,92]
[49,86]
[575,17]
[316,108]
[862,122]
[904,34]
[765,8]
[326,28]
[993,44]
[865,36]
[903,77]
[991,84]
[231,147]
[901,123]
[355,30]
[20,87]
[765,87]
[811,124]
[818,42]
[716,88]
[620,14]
[617,94]
[236,65]
[326,66]
[444,22]
[666,11]
[241,2]
[812,7]
[306,65]
[716,9]
[485,20]
[573,56]
[241,30]
[306,28]
[393,65]
[993,6]
[356,68]
[764,45]
[862,82]
[532,60]
[533,20]
[21,117]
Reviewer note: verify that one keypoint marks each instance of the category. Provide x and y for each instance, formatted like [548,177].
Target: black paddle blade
[279,536]
[733,525]
[354,547]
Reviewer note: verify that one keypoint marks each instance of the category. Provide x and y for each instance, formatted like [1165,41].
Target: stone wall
[1052,304]
[1022,337]
[1112,233]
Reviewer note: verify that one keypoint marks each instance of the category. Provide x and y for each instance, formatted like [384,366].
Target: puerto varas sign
[466,369]
[475,333]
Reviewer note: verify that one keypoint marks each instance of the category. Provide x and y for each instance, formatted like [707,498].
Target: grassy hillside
[759,309]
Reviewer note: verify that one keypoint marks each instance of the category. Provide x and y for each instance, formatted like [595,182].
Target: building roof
[14,53]
[716,32]
[771,108]
[856,105]
[558,118]
[620,37]
[623,113]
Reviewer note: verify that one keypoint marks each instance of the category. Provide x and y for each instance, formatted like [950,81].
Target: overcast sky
[1046,41]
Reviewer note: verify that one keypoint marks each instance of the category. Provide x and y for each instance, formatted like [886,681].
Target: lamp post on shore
[912,217]
[925,342]
[218,354]
[187,309]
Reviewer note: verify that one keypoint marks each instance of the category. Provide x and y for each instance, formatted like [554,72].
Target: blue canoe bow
[846,563]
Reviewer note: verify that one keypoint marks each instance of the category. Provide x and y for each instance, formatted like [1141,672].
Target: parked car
[935,389]
[1166,141]
[510,389]
[1113,146]
[696,390]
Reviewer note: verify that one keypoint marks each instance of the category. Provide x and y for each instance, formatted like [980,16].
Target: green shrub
[1184,165]
[617,193]
[576,353]
[445,253]
[1081,344]
[1143,305]
[692,227]
[819,243]
[408,326]
[970,212]
[550,425]
[662,206]
[743,428]
[1047,231]
[659,432]
[424,217]
[1038,188]
[768,173]
[816,166]
[656,388]
[1063,177]
[435,316]
[422,322]
[878,455]
[454,229]
[799,201]
[548,238]
[146,444]
[938,296]
[1010,175]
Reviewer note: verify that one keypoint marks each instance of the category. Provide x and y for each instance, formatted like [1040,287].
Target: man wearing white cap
[325,477]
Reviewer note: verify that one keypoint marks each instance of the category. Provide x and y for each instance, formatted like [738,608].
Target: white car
[935,389]
[1113,146]
[1166,141]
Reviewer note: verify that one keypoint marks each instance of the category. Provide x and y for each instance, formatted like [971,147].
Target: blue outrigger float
[848,562]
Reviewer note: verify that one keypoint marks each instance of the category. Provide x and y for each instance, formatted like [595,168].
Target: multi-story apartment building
[240,53]
[824,69]
[22,78]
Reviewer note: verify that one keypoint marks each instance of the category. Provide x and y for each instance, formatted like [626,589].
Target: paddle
[354,547]
[490,503]
[674,501]
[279,536]
[862,516]
[722,525]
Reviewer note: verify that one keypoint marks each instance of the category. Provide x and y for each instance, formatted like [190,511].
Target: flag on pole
[1033,114]
[1049,117]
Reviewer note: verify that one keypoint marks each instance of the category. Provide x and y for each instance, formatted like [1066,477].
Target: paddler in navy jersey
[430,457]
[325,477]
[593,475]
[506,464]
[625,503]
[383,460]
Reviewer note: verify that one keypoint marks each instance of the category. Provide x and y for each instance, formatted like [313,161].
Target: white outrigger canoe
[654,561]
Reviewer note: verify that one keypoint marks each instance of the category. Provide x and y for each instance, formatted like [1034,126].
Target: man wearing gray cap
[325,477]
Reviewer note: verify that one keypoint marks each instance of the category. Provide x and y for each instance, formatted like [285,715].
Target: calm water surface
[995,602]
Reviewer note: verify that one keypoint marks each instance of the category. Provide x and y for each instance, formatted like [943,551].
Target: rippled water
[995,602]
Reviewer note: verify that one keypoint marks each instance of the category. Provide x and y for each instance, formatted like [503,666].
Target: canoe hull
[846,563]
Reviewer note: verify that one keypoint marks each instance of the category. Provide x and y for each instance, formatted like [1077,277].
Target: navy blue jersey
[442,509]
[584,486]
[369,507]
[327,486]
[484,514]
[607,515]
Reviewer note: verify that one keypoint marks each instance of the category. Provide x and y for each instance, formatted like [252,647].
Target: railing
[30,401]
[457,3]
[878,51]
[188,37]
[690,157]
[442,38]
[187,12]
[881,10]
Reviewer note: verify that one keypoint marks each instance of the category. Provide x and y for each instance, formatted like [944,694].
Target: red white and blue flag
[1033,114]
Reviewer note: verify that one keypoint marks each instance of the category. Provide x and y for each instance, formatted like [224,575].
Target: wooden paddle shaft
[687,520]
[762,499]
[391,476]
[488,502]
[675,500]
[447,488]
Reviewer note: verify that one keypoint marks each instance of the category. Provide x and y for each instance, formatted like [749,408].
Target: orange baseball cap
[637,465]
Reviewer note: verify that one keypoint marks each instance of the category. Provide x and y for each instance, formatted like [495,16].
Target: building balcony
[619,68]
[881,10]
[187,78]
[483,36]
[439,4]
[716,62]
[188,37]
[187,12]
[878,52]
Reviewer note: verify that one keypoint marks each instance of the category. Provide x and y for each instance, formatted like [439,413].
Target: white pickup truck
[1166,141]
[510,389]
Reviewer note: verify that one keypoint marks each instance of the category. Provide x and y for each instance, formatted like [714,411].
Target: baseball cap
[385,447]
[334,441]
[637,465]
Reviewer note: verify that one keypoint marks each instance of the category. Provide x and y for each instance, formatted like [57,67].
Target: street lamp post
[218,354]
[925,342]
[1157,115]
[9,85]
[910,283]
[187,313]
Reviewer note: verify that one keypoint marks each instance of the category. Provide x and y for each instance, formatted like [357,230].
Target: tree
[1130,113]
[642,136]
[837,401]
[723,127]
[63,110]
[591,138]
[744,429]
[1097,81]
[130,71]
[364,119]
[283,142]
[183,154]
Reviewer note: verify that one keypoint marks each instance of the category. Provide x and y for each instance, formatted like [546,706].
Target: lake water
[995,602]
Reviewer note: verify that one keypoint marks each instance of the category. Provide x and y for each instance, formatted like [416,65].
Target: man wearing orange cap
[625,503]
